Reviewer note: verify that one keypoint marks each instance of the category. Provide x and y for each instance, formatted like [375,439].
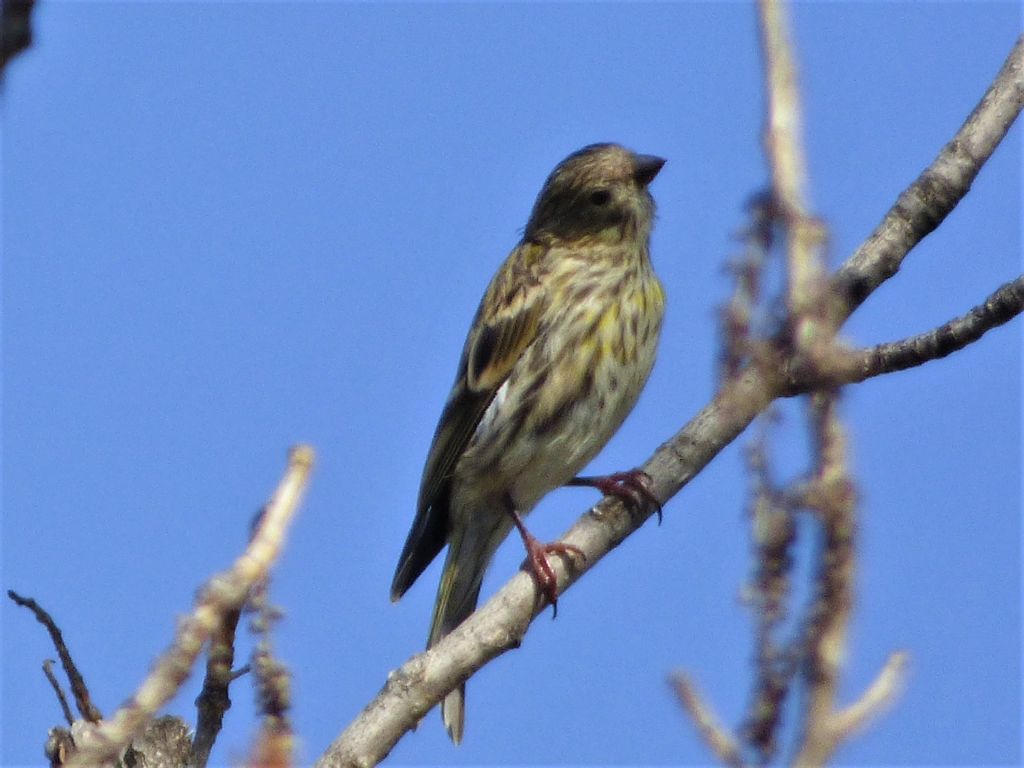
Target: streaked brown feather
[506,324]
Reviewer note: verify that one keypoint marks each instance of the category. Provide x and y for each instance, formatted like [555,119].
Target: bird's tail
[457,594]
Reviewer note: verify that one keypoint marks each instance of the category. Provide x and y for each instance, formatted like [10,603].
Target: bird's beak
[647,167]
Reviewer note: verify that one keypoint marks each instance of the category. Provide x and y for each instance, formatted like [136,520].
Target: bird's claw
[537,564]
[633,488]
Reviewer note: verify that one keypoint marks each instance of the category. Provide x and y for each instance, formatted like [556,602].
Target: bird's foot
[537,561]
[632,488]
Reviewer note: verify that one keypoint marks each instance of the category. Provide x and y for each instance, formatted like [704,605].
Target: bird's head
[598,192]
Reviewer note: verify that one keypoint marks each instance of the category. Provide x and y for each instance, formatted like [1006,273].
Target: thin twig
[224,593]
[812,339]
[55,684]
[783,131]
[213,701]
[718,739]
[774,534]
[245,669]
[850,366]
[83,701]
[825,638]
[879,695]
[922,206]
[783,142]
[275,742]
[740,319]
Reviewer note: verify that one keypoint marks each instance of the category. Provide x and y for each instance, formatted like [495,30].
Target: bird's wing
[506,324]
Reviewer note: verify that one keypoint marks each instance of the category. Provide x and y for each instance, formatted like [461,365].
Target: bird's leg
[632,488]
[537,560]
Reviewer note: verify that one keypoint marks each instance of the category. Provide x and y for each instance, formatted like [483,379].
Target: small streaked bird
[561,345]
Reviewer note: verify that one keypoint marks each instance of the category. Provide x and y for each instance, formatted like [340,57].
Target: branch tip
[716,736]
[878,696]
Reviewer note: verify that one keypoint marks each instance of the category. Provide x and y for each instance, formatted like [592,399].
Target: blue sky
[228,228]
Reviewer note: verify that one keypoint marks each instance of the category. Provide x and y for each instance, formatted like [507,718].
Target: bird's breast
[571,390]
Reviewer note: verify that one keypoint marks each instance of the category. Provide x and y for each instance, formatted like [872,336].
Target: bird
[560,348]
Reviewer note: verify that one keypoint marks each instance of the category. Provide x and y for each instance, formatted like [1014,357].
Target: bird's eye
[600,197]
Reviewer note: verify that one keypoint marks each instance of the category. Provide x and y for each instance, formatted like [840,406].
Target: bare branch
[222,595]
[857,365]
[69,718]
[925,204]
[245,669]
[825,638]
[812,339]
[783,132]
[879,695]
[773,530]
[718,739]
[78,687]
[739,317]
[783,141]
[213,701]
[499,625]
[275,743]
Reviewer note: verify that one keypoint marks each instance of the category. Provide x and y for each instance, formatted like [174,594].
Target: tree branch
[213,701]
[61,698]
[879,695]
[773,531]
[83,701]
[924,205]
[102,743]
[275,742]
[851,366]
[718,739]
[832,496]
[783,143]
[498,626]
